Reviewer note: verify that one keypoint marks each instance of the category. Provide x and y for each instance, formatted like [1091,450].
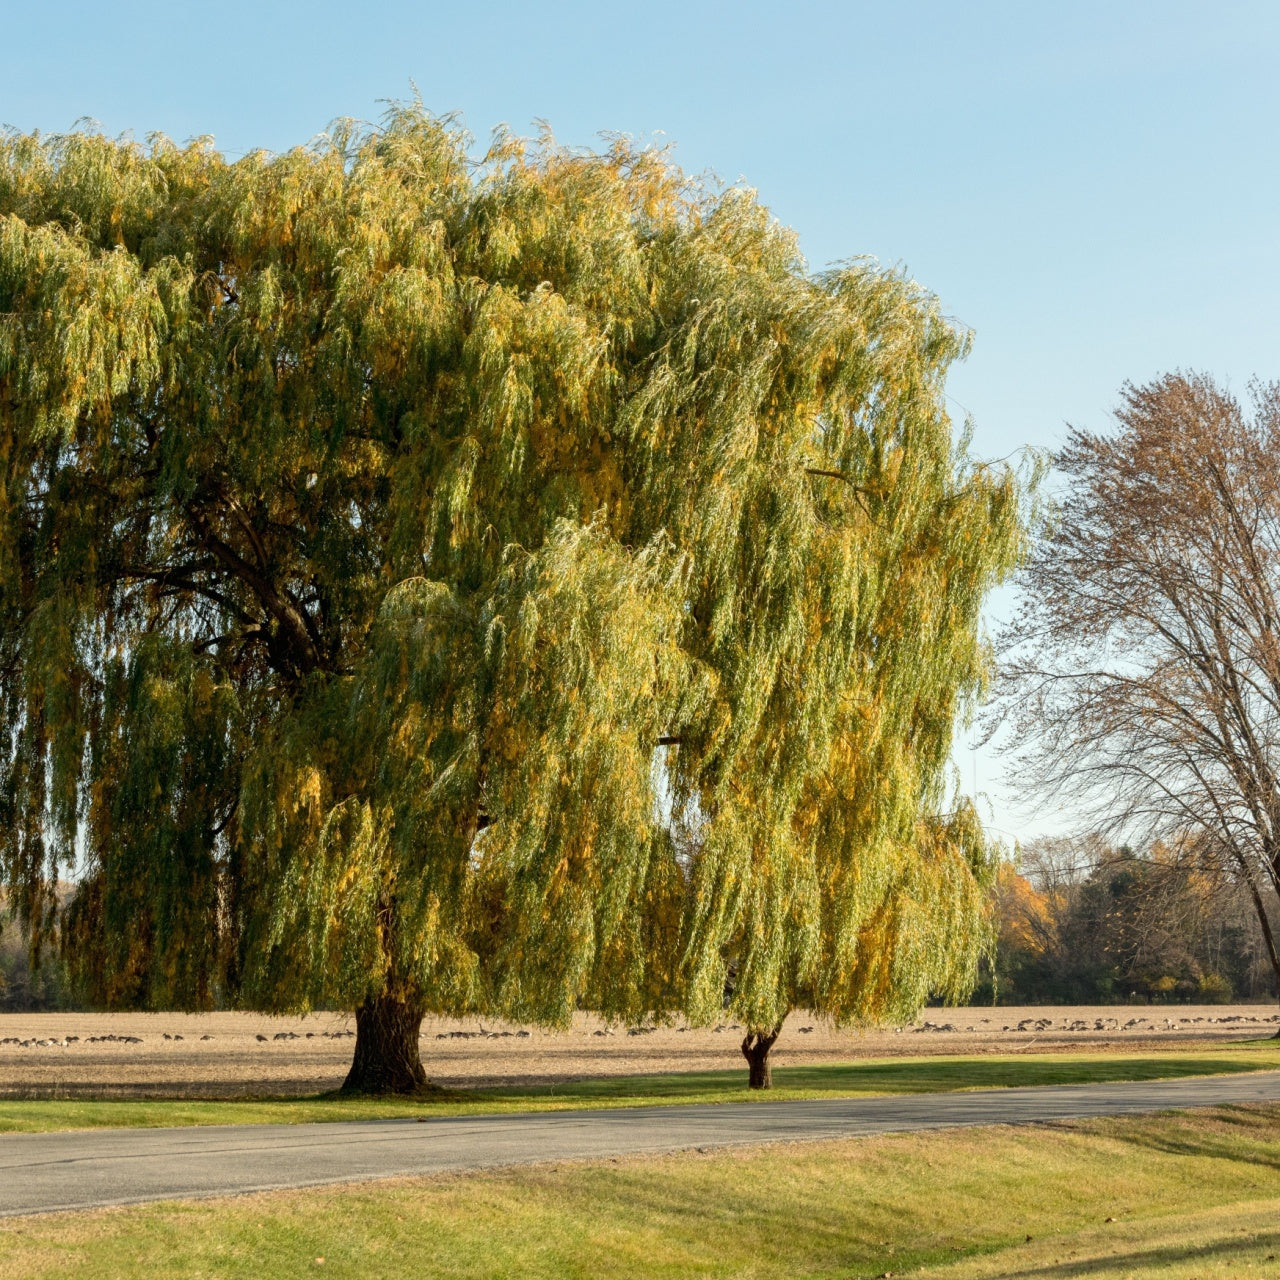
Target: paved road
[41,1172]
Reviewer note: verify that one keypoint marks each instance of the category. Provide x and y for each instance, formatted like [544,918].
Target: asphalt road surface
[44,1172]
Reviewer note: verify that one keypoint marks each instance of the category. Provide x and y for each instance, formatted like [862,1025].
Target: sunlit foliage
[511,583]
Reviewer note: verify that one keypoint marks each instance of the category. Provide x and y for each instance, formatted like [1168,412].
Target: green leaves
[512,582]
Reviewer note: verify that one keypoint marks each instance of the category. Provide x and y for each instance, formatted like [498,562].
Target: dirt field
[240,1054]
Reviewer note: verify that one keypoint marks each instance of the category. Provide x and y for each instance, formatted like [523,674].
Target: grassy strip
[857,1079]
[1173,1195]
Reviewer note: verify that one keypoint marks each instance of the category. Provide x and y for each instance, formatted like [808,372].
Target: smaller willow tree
[382,531]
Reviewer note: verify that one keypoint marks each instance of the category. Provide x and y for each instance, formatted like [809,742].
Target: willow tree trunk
[755,1048]
[386,1057]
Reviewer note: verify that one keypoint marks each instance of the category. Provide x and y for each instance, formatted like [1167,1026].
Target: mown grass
[855,1079]
[1195,1194]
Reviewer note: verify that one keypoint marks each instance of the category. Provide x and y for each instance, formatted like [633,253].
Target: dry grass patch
[1188,1194]
[1234,1240]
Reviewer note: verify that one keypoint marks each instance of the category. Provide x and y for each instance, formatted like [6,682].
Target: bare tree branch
[1142,676]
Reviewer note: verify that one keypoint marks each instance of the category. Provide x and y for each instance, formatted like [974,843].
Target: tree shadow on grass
[1155,1259]
[942,1074]
[1245,1134]
[897,1076]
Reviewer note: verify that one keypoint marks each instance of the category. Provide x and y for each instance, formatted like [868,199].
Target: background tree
[1082,922]
[1144,669]
[369,518]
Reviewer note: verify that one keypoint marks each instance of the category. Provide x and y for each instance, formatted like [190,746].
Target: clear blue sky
[1092,187]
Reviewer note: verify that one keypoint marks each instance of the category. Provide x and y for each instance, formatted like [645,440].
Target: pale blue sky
[1092,187]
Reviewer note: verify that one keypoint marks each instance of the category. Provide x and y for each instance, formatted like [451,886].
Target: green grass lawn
[1180,1196]
[855,1079]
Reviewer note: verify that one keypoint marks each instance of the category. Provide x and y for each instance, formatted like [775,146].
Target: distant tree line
[1082,921]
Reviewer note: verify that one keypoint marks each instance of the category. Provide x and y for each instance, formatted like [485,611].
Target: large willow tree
[518,585]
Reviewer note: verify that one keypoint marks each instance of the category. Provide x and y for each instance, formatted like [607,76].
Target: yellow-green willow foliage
[511,584]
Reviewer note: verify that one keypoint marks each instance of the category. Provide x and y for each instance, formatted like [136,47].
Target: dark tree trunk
[755,1048]
[1267,936]
[386,1058]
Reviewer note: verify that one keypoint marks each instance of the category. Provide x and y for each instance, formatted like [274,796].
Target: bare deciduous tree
[1142,675]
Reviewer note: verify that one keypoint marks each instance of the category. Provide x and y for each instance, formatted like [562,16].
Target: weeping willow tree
[431,583]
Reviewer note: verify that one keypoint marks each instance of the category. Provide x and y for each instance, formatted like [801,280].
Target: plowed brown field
[243,1054]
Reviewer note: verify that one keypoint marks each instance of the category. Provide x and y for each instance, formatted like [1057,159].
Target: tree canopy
[434,583]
